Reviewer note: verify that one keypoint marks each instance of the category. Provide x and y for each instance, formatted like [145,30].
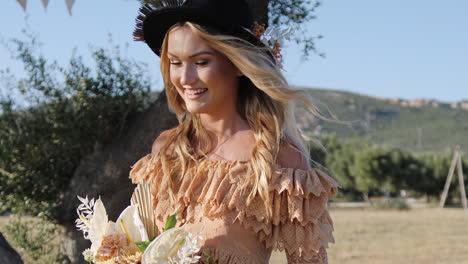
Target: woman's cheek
[173,77]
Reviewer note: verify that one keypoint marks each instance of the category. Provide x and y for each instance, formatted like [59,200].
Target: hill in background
[416,125]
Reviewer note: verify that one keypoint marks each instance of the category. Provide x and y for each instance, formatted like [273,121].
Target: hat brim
[159,22]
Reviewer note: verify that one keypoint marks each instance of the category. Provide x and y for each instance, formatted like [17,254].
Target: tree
[42,142]
[339,161]
[437,167]
[386,170]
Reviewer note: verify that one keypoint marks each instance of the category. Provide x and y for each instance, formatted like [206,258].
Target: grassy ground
[418,236]
[40,238]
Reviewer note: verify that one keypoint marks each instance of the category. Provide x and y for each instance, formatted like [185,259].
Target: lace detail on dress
[319,258]
[225,255]
[300,223]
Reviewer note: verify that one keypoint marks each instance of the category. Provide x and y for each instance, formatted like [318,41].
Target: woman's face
[205,79]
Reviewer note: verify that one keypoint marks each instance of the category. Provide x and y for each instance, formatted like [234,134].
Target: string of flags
[45,3]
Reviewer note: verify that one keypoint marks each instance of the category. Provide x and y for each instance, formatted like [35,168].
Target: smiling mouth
[195,91]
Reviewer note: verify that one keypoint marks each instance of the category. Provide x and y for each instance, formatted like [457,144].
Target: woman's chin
[196,110]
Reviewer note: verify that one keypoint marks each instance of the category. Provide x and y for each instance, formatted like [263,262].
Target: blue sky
[408,49]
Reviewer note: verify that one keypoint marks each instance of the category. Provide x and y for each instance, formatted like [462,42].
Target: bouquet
[134,238]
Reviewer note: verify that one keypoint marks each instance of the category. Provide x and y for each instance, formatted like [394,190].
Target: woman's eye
[202,62]
[175,63]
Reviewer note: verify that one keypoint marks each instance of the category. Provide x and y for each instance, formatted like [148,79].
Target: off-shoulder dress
[213,195]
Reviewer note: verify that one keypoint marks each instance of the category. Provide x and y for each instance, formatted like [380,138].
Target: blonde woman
[236,163]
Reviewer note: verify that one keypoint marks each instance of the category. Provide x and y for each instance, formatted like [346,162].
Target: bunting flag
[22,3]
[70,5]
[45,3]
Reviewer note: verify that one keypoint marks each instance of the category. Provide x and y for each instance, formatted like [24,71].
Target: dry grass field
[417,236]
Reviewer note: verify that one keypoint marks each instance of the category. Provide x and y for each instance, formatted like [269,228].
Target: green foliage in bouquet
[142,245]
[170,223]
[209,258]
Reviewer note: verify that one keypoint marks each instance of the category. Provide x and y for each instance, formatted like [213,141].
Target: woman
[236,163]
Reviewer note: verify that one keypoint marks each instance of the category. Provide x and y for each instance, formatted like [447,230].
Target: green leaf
[181,242]
[209,258]
[142,245]
[171,222]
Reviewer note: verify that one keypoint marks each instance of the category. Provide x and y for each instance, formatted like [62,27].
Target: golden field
[417,236]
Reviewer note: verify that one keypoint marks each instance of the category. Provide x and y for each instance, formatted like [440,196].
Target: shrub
[44,134]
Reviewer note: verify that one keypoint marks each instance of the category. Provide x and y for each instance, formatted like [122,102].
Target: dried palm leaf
[143,198]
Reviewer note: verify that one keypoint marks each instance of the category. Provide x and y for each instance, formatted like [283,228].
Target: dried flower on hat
[273,38]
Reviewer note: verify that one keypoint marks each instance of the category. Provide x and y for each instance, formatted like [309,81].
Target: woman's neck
[231,136]
[223,125]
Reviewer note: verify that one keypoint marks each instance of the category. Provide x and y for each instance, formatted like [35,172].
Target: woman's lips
[195,93]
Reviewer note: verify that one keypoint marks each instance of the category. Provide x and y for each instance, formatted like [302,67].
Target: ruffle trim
[300,223]
[225,256]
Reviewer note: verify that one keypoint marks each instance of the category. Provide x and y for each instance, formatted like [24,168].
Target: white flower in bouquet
[108,239]
[88,255]
[128,239]
[173,246]
[186,254]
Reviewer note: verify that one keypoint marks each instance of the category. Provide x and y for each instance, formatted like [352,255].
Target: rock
[105,173]
[7,254]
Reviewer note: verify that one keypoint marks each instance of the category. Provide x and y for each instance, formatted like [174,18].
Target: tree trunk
[366,197]
[7,254]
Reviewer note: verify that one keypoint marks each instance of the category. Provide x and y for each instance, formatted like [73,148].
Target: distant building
[415,103]
[460,105]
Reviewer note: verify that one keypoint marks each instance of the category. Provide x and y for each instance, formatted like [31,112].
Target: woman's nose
[188,75]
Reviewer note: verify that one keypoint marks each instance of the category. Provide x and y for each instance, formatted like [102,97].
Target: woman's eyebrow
[195,54]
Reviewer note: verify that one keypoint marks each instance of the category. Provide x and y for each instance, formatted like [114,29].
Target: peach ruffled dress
[213,195]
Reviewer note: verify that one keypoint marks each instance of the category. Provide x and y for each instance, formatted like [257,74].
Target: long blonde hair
[265,101]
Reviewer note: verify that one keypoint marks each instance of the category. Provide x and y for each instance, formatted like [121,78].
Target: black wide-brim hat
[231,17]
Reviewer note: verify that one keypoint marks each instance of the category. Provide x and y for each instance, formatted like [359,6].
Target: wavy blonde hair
[265,101]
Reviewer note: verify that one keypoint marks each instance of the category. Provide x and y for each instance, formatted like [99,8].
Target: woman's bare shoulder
[289,156]
[161,140]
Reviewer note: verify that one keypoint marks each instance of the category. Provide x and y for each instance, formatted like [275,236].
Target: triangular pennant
[45,3]
[70,5]
[22,3]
